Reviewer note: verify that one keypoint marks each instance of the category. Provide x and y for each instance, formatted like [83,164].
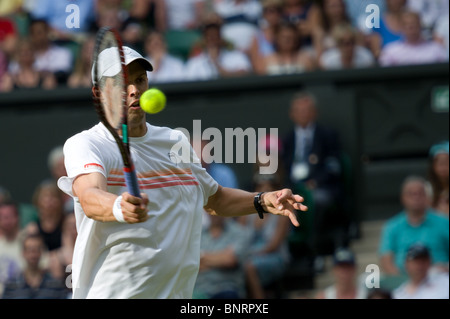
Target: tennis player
[149,247]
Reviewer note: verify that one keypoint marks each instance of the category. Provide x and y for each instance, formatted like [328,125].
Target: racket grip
[131,181]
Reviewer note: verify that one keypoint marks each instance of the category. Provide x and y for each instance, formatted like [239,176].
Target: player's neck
[137,131]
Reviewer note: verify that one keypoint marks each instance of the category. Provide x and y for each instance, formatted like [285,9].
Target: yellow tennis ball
[153,101]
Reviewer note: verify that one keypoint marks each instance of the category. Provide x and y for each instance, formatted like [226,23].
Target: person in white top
[154,250]
[423,283]
[413,49]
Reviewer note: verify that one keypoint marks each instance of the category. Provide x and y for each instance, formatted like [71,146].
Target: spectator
[441,32]
[417,222]
[303,14]
[223,244]
[166,68]
[422,283]
[55,163]
[413,49]
[240,19]
[390,27]
[438,176]
[429,11]
[81,76]
[8,36]
[34,282]
[184,15]
[263,42]
[331,14]
[11,259]
[132,33]
[216,58]
[348,54]
[312,159]
[268,255]
[151,14]
[345,285]
[57,14]
[49,202]
[288,57]
[60,259]
[49,56]
[23,73]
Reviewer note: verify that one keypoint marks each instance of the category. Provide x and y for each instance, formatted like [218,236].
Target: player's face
[137,84]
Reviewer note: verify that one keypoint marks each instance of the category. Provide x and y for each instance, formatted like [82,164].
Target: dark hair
[290,26]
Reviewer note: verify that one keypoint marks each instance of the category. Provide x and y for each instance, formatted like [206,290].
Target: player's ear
[95,91]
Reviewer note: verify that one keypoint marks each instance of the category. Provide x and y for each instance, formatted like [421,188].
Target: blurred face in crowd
[344,273]
[39,35]
[441,167]
[303,111]
[154,43]
[414,197]
[49,202]
[212,36]
[417,268]
[287,39]
[25,54]
[411,27]
[346,44]
[272,14]
[32,251]
[334,9]
[395,5]
[9,220]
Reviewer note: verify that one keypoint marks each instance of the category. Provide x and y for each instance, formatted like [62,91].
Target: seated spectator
[11,259]
[151,14]
[438,176]
[166,68]
[263,42]
[331,14]
[441,32]
[8,36]
[50,205]
[345,284]
[240,19]
[184,15]
[417,222]
[49,56]
[23,73]
[216,59]
[422,283]
[304,15]
[268,255]
[413,49]
[429,11]
[55,14]
[223,245]
[132,33]
[60,260]
[55,163]
[34,282]
[288,57]
[81,76]
[347,54]
[390,29]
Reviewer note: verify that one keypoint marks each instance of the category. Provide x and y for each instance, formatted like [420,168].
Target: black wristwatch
[258,206]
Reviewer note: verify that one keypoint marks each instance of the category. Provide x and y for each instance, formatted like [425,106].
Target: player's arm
[98,203]
[231,202]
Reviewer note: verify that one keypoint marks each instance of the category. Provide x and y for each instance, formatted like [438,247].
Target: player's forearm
[98,204]
[231,202]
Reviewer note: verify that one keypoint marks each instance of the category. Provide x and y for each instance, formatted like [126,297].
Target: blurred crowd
[45,44]
[249,257]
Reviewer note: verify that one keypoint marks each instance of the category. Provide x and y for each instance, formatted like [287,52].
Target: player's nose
[133,91]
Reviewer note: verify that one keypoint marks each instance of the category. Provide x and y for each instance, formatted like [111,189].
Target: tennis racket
[110,96]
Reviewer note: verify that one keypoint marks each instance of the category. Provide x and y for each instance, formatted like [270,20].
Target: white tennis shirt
[155,259]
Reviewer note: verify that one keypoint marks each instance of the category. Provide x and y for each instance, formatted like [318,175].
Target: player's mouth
[135,105]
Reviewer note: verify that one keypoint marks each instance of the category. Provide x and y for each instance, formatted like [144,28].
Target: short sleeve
[81,156]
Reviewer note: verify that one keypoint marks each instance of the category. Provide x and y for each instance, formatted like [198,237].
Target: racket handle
[131,181]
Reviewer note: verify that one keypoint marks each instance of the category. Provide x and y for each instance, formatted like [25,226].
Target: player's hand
[284,203]
[134,209]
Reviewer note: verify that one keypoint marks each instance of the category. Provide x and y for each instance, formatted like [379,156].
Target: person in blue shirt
[416,223]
